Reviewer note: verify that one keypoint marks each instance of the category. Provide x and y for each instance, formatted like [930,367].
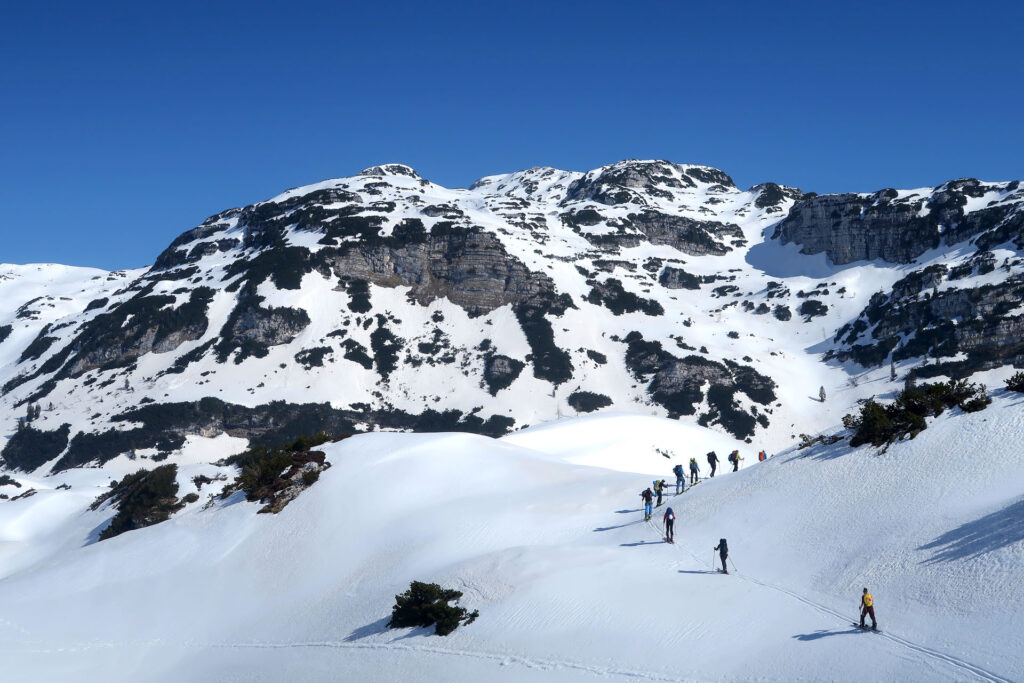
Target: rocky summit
[385,301]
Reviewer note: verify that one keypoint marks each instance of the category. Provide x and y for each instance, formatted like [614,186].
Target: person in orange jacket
[867,604]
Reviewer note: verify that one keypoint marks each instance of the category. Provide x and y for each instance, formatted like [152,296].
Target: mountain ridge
[382,300]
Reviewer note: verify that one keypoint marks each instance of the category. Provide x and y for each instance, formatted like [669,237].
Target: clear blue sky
[124,124]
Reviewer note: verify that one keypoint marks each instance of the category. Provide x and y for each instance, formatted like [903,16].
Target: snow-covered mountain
[386,301]
[591,330]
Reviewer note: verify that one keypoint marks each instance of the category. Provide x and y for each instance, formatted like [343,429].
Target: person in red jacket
[867,604]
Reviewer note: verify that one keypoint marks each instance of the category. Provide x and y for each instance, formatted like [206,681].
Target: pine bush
[1016,382]
[880,424]
[426,604]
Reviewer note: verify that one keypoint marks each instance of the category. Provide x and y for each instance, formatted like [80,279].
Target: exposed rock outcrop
[981,326]
[893,226]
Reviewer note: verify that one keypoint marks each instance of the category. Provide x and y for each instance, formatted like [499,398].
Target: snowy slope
[570,583]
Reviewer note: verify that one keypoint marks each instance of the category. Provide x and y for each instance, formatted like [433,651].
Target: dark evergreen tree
[427,603]
[1016,382]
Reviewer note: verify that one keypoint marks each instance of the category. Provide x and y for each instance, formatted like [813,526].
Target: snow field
[570,583]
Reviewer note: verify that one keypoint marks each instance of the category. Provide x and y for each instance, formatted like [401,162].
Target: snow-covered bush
[1016,382]
[144,498]
[425,604]
[806,440]
[878,425]
[261,468]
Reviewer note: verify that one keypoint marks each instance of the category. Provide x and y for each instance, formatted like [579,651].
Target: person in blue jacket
[648,497]
[680,478]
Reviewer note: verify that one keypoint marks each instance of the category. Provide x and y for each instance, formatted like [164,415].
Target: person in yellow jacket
[867,606]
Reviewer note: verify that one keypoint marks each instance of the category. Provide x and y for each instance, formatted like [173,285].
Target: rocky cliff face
[945,315]
[385,301]
[899,226]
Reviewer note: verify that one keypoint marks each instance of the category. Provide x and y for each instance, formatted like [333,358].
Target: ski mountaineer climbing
[647,497]
[735,458]
[867,604]
[678,471]
[723,552]
[658,488]
[694,471]
[713,461]
[670,523]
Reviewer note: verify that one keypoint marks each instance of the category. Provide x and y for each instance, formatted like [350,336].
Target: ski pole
[733,565]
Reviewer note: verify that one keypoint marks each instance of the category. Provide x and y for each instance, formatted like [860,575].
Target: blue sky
[123,125]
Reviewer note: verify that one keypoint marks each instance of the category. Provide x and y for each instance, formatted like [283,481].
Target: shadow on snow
[379,626]
[620,526]
[825,634]
[973,539]
[633,545]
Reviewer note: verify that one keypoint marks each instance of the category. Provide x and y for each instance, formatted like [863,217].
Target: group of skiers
[712,457]
[657,489]
[867,602]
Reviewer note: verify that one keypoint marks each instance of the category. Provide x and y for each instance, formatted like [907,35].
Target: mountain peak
[390,170]
[624,181]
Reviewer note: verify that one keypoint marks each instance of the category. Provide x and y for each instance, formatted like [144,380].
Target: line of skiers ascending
[658,485]
[867,601]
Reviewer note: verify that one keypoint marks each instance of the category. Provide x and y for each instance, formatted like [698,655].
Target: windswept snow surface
[571,584]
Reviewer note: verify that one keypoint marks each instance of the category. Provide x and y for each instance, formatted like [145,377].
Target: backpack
[669,514]
[723,547]
[712,458]
[677,470]
[734,456]
[762,456]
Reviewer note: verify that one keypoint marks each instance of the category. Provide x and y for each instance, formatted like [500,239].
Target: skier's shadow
[626,512]
[822,633]
[698,571]
[620,526]
[633,545]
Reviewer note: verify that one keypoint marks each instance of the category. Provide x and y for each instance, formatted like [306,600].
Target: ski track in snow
[503,659]
[942,657]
